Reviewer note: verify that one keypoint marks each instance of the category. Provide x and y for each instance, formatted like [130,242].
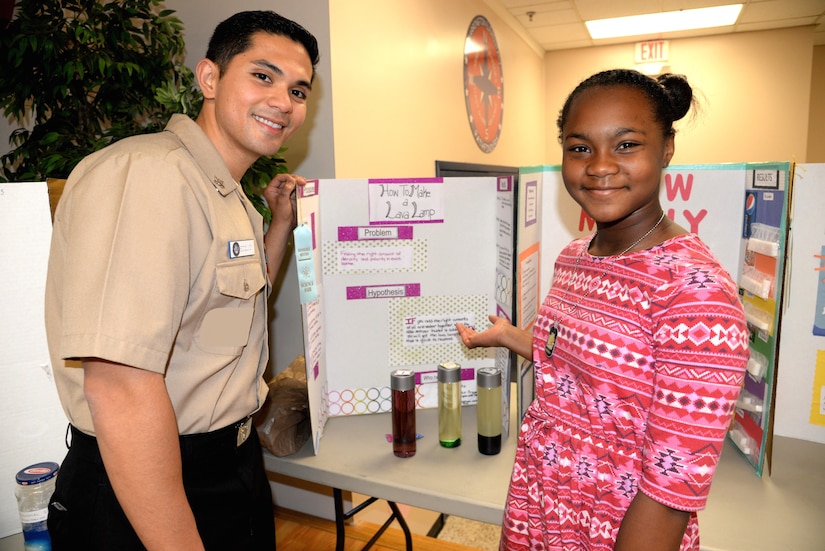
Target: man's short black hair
[234,36]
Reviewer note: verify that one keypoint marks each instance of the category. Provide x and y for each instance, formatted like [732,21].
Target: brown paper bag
[283,421]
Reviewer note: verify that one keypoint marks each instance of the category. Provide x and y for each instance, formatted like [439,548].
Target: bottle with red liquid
[402,385]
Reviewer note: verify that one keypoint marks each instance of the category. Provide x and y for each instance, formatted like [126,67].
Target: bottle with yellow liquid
[449,405]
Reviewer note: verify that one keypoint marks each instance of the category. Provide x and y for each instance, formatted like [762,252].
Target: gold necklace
[550,344]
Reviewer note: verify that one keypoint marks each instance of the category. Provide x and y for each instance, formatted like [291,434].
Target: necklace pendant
[551,341]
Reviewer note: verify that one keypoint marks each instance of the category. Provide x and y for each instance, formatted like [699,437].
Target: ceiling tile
[559,34]
[558,24]
[544,19]
[601,9]
[780,10]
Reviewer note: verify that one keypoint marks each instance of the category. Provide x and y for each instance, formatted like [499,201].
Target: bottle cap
[449,372]
[488,377]
[402,379]
[37,473]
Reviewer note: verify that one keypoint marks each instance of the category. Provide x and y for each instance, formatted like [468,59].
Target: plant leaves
[95,71]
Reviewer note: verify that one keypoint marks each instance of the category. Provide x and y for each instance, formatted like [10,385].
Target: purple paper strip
[405,180]
[467,374]
[362,292]
[350,233]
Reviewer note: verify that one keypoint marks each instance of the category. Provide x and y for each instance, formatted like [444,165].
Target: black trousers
[226,486]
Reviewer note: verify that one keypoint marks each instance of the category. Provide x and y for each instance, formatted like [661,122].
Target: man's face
[260,98]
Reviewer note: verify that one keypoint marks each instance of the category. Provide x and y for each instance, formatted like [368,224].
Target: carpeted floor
[471,533]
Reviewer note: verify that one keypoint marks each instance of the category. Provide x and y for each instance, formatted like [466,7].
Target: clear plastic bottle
[488,410]
[449,405]
[35,486]
[402,385]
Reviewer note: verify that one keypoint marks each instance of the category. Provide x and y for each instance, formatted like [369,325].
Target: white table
[354,455]
[783,511]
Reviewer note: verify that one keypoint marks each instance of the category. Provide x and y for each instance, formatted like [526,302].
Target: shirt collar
[203,151]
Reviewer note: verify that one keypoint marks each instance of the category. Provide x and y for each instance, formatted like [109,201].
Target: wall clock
[483,83]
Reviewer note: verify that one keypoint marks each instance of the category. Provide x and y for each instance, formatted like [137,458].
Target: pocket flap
[240,279]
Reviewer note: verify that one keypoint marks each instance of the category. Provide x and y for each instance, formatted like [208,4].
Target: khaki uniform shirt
[157,262]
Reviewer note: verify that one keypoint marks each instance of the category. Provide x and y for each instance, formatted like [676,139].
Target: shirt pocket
[240,279]
[226,327]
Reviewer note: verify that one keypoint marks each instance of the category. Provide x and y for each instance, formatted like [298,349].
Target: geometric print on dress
[584,468]
[551,455]
[700,278]
[627,485]
[668,462]
[718,334]
[694,471]
[664,260]
[603,405]
[566,387]
[625,353]
[621,293]
[692,403]
[702,467]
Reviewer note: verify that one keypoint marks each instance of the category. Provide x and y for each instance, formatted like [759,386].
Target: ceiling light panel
[664,22]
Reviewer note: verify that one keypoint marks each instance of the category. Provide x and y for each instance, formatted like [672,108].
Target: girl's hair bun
[679,92]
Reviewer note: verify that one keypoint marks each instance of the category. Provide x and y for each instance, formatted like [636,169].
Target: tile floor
[475,534]
[420,521]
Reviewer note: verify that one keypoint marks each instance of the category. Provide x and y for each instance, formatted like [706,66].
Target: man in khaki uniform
[156,302]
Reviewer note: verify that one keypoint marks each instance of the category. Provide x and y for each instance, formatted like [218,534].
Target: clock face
[483,84]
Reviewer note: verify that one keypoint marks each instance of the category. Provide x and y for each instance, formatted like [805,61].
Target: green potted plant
[77,75]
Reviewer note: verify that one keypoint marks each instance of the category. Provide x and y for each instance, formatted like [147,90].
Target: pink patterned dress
[636,396]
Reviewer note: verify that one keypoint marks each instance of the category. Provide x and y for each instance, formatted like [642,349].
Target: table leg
[407,534]
[341,517]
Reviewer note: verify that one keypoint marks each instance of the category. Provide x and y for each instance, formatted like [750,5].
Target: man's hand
[280,195]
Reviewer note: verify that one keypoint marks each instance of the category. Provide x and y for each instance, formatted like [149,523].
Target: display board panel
[398,262]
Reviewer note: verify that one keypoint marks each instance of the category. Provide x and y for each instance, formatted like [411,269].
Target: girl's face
[613,154]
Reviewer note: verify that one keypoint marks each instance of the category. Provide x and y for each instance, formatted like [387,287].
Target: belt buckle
[244,430]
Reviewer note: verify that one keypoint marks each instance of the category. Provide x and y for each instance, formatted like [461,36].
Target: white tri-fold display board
[800,396]
[395,264]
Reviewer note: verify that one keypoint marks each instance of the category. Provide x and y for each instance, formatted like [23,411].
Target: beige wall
[816,126]
[756,89]
[398,99]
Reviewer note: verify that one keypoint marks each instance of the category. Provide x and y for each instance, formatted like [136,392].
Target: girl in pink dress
[640,346]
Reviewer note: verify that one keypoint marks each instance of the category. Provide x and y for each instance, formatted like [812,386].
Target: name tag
[245,247]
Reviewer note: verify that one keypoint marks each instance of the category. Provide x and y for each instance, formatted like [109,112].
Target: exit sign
[652,50]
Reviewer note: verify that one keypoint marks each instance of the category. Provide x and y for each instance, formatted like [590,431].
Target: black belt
[227,438]
[191,445]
